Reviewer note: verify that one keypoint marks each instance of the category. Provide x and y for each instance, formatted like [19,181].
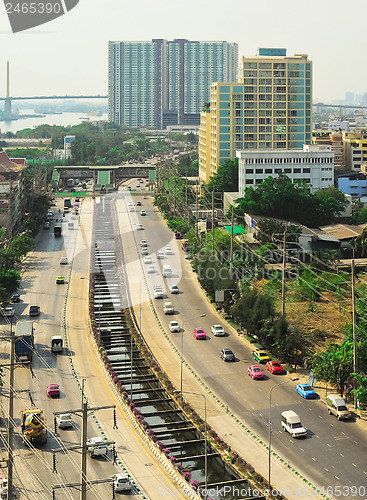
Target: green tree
[335,364]
[281,198]
[331,203]
[361,392]
[225,178]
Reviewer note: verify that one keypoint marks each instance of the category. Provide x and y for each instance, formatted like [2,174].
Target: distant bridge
[350,106]
[34,97]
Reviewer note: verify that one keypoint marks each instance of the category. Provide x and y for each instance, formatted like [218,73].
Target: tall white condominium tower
[160,83]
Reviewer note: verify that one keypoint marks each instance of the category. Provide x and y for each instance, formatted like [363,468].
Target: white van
[336,406]
[167,271]
[96,447]
[292,424]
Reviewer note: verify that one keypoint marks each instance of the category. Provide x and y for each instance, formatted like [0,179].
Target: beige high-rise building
[269,108]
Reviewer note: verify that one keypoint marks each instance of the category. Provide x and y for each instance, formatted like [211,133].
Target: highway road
[333,455]
[33,475]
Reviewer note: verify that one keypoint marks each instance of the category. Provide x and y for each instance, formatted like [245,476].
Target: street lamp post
[206,440]
[182,347]
[270,429]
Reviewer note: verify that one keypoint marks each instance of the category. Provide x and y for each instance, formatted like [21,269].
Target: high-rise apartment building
[269,108]
[160,83]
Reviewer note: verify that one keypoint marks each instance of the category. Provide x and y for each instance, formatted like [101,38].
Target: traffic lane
[205,350]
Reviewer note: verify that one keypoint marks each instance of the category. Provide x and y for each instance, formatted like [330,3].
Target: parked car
[160,255]
[174,289]
[139,227]
[306,391]
[34,310]
[121,482]
[64,420]
[46,225]
[151,269]
[168,251]
[227,355]
[144,251]
[53,391]
[60,280]
[143,243]
[217,330]
[255,372]
[199,334]
[143,212]
[148,259]
[174,326]
[63,260]
[15,297]
[260,356]
[274,367]
[138,203]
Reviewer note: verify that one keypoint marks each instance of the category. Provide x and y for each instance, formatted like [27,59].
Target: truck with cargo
[24,341]
[57,231]
[56,343]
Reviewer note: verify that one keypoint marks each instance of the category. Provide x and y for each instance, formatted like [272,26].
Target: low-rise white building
[315,165]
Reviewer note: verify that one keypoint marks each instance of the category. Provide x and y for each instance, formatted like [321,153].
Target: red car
[199,334]
[255,372]
[274,367]
[53,391]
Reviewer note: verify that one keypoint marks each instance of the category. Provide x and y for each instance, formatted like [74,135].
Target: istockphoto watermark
[26,14]
[236,492]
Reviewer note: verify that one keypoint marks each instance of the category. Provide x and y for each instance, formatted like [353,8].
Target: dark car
[227,355]
[15,297]
[46,225]
[138,203]
[34,310]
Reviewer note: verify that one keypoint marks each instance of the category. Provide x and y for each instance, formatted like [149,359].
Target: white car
[139,227]
[131,204]
[143,243]
[64,420]
[218,330]
[160,255]
[143,212]
[148,259]
[158,292]
[168,251]
[63,260]
[121,482]
[174,289]
[9,312]
[144,251]
[151,269]
[174,326]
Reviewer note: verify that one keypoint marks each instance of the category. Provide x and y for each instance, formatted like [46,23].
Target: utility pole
[213,222]
[354,321]
[83,492]
[11,411]
[83,446]
[197,209]
[283,272]
[231,248]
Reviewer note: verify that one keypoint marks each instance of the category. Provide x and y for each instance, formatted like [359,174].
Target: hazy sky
[69,55]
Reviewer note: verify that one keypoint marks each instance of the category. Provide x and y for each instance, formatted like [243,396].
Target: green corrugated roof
[236,229]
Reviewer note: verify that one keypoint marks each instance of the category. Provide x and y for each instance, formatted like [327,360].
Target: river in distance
[63,119]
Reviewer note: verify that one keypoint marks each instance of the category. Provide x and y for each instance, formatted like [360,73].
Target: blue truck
[24,341]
